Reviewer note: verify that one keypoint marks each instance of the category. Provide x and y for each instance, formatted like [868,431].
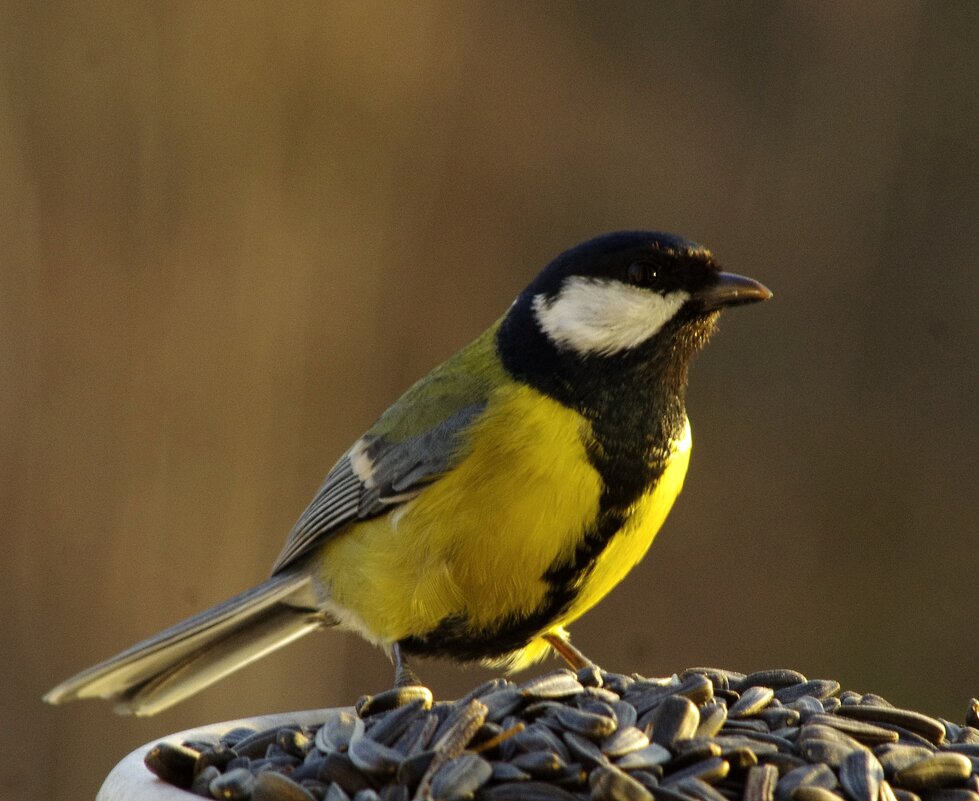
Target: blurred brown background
[232,233]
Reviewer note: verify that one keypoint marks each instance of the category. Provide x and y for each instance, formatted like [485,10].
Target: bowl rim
[131,780]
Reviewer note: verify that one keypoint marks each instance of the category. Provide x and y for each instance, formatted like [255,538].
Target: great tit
[500,498]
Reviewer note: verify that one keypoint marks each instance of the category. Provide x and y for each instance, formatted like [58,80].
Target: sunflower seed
[235,735]
[507,772]
[335,792]
[537,737]
[235,785]
[601,694]
[458,729]
[863,732]
[588,702]
[708,770]
[814,688]
[623,741]
[293,742]
[784,763]
[818,731]
[540,764]
[897,756]
[807,707]
[395,792]
[728,742]
[386,729]
[886,791]
[414,768]
[617,682]
[676,718]
[584,750]
[671,794]
[760,783]
[501,703]
[172,763]
[589,676]
[969,749]
[392,699]
[861,775]
[949,794]
[697,687]
[694,750]
[417,736]
[809,792]
[872,699]
[202,781]
[459,778]
[487,687]
[929,728]
[374,758]
[217,755]
[625,714]
[721,679]
[713,715]
[652,756]
[939,770]
[697,789]
[740,758]
[778,717]
[756,737]
[337,731]
[648,695]
[746,725]
[526,791]
[559,684]
[338,768]
[586,723]
[776,679]
[751,701]
[611,784]
[808,775]
[272,786]
[828,752]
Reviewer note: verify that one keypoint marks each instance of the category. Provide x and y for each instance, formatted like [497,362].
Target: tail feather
[191,655]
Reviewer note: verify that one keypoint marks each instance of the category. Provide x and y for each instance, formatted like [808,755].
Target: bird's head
[622,300]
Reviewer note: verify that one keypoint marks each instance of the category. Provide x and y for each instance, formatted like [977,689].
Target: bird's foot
[575,659]
[404,676]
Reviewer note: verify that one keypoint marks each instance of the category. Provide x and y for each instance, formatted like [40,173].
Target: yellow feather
[478,541]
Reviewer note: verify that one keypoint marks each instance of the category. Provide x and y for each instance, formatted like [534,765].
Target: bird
[498,500]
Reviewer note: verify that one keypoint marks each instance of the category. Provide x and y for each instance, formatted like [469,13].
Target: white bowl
[130,780]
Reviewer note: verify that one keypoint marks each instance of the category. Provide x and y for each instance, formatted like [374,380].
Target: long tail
[187,657]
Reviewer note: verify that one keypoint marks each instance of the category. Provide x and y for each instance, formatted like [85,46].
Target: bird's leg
[404,676]
[568,652]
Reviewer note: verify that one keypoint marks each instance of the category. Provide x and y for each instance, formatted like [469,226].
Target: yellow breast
[478,541]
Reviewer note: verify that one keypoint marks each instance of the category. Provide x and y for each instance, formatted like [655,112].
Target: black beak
[729,289]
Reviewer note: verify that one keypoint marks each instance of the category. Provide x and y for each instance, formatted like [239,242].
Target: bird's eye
[641,273]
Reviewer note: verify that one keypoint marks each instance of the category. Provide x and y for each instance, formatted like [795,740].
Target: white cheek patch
[599,317]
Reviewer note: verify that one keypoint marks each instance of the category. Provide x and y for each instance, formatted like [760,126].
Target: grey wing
[373,477]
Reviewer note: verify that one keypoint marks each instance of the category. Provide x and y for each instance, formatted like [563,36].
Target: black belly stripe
[455,638]
[635,405]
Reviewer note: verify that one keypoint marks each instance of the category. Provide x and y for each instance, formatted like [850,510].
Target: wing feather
[419,438]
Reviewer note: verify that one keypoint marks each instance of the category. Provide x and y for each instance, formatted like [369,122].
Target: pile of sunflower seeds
[704,735]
